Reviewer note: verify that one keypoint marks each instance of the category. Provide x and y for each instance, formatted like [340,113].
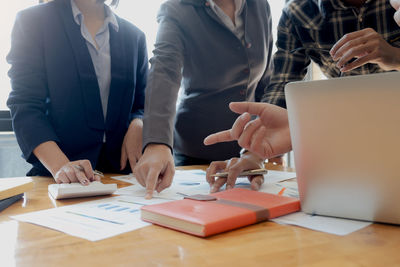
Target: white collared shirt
[238,27]
[101,56]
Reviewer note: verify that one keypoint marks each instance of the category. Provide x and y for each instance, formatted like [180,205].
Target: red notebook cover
[205,215]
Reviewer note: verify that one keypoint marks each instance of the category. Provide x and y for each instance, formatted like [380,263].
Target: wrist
[135,122]
[157,147]
[245,154]
[51,156]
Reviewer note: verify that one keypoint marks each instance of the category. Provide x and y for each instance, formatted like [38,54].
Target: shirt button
[248,45]
[242,92]
[246,71]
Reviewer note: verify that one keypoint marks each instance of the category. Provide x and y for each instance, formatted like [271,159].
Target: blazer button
[246,71]
[207,3]
[248,45]
[242,92]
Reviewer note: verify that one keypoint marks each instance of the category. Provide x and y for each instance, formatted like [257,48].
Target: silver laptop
[346,141]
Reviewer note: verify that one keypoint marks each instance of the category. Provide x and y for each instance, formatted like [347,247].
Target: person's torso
[73,104]
[320,28]
[218,68]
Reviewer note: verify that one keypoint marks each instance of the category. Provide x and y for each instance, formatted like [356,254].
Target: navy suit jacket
[55,94]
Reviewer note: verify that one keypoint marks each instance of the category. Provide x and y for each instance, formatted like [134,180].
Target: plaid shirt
[308,29]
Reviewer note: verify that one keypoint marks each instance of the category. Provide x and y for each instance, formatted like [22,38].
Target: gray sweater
[196,51]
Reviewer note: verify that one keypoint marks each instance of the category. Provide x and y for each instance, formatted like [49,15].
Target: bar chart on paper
[94,220]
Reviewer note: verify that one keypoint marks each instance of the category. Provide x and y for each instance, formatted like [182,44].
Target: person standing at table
[268,135]
[218,51]
[78,74]
[343,37]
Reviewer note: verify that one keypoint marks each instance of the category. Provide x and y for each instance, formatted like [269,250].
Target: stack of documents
[96,220]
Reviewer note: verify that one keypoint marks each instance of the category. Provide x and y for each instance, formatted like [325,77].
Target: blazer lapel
[84,64]
[119,82]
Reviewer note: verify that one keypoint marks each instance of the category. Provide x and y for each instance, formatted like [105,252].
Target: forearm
[51,156]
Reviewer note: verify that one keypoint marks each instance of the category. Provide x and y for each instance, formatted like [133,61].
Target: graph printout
[93,220]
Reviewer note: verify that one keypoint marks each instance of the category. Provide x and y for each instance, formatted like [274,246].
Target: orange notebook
[205,215]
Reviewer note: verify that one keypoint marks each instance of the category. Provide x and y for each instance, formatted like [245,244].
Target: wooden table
[264,244]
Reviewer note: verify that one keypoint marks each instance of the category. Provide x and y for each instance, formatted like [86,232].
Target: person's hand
[267,136]
[132,146]
[365,46]
[234,166]
[396,5]
[76,171]
[155,169]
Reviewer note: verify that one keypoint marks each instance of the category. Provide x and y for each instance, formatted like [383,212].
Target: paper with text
[93,220]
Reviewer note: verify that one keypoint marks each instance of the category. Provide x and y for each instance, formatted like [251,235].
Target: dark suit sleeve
[141,79]
[266,78]
[27,100]
[164,78]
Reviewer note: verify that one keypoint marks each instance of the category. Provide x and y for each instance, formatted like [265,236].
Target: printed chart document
[191,182]
[100,219]
[93,220]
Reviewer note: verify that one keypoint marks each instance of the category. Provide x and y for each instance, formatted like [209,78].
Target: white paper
[278,176]
[125,178]
[191,182]
[325,224]
[286,188]
[93,220]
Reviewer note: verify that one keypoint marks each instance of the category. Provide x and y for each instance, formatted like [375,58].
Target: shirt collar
[109,19]
[238,3]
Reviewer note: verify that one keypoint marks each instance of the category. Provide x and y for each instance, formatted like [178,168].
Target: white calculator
[60,191]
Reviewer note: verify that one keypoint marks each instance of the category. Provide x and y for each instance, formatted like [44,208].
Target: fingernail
[228,187]
[148,196]
[214,189]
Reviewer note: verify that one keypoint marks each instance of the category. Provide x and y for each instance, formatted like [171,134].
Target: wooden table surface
[264,244]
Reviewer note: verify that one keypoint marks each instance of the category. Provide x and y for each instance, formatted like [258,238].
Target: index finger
[267,112]
[253,108]
[151,183]
[224,136]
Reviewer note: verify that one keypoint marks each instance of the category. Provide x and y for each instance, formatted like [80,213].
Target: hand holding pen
[233,168]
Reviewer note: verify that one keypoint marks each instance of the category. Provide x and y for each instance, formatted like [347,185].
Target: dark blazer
[55,94]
